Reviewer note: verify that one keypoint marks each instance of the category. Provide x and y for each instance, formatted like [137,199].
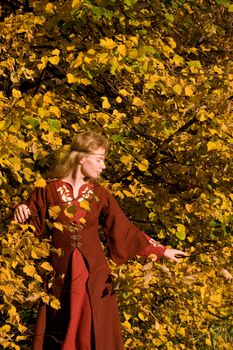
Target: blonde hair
[69,157]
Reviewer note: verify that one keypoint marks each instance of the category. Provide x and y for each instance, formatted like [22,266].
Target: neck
[76,181]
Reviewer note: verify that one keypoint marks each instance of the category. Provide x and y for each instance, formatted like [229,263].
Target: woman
[88,317]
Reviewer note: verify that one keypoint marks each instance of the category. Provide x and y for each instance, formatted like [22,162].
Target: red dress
[88,318]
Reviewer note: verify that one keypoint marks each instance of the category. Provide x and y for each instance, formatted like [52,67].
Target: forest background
[156,78]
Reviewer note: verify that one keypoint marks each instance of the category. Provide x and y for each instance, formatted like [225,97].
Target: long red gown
[88,318]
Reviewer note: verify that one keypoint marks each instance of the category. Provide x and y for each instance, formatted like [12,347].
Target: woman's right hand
[21,213]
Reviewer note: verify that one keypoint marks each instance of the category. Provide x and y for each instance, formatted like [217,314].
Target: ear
[81,161]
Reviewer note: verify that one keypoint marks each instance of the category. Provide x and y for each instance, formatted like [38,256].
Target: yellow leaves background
[161,93]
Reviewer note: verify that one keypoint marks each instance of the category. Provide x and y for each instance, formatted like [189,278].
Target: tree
[156,78]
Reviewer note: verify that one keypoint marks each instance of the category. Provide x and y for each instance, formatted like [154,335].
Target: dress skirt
[78,329]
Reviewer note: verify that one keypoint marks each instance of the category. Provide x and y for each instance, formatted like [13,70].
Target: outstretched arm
[156,248]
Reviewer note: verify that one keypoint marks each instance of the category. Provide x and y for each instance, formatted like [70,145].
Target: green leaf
[180,233]
[169,17]
[34,122]
[54,125]
[223,2]
[130,3]
[117,138]
[196,64]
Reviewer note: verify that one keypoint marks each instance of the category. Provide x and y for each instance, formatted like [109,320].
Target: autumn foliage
[156,78]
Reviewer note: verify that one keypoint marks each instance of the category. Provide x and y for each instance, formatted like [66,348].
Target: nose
[103,166]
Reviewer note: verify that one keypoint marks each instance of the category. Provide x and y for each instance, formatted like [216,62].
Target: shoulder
[49,186]
[102,191]
[105,196]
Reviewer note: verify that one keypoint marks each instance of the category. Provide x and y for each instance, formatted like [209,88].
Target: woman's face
[93,164]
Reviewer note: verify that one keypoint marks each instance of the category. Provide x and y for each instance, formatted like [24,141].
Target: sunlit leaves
[54,211]
[156,79]
[46,266]
[70,211]
[108,43]
[84,204]
[105,103]
[40,183]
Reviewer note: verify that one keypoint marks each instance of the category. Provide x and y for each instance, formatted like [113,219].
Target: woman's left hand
[173,253]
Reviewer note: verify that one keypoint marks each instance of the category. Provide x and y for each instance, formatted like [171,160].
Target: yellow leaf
[142,316]
[123,92]
[171,42]
[40,183]
[54,211]
[56,52]
[138,102]
[55,304]
[118,99]
[1,95]
[3,125]
[5,328]
[21,144]
[122,50]
[127,193]
[143,166]
[126,159]
[103,57]
[181,331]
[105,103]
[177,89]
[178,60]
[58,226]
[49,7]
[71,78]
[91,52]
[37,277]
[84,204]
[76,3]
[29,270]
[46,266]
[127,326]
[188,90]
[16,93]
[21,337]
[215,299]
[54,59]
[48,98]
[126,315]
[214,145]
[82,221]
[107,43]
[85,81]
[70,48]
[55,110]
[189,207]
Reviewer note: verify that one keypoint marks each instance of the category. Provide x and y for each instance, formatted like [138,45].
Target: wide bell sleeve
[38,206]
[125,240]
[154,247]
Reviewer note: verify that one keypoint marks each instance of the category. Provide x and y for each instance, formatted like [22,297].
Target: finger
[18,218]
[22,214]
[180,252]
[25,212]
